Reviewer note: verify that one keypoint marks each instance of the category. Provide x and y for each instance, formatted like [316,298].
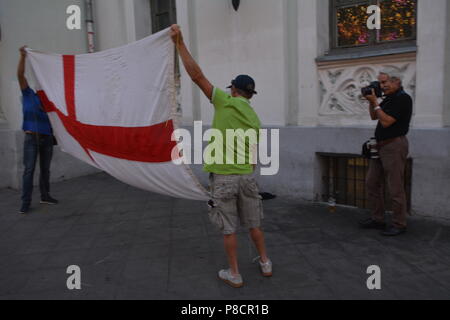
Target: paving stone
[131,244]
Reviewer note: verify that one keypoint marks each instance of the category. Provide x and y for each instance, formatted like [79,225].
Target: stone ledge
[369,56]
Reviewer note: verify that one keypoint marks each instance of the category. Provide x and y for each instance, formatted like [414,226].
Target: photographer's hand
[373,104]
[373,99]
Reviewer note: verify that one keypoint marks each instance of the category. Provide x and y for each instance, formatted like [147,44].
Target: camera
[370,149]
[375,85]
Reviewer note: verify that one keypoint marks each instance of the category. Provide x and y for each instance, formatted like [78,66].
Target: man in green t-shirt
[235,194]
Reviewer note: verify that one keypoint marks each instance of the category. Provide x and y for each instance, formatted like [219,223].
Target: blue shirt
[35,119]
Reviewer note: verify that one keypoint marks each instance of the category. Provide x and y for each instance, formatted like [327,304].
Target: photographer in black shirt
[394,115]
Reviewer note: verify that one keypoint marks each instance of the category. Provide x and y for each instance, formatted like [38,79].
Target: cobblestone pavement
[131,244]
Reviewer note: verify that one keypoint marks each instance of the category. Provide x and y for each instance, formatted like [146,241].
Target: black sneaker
[24,209]
[372,224]
[49,200]
[393,231]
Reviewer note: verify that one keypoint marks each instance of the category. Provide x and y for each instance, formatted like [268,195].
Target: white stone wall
[228,43]
[119,22]
[447,73]
[294,88]
[41,25]
[312,43]
[432,59]
[277,42]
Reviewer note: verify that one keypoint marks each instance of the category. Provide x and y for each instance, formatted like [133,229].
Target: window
[163,14]
[344,178]
[349,23]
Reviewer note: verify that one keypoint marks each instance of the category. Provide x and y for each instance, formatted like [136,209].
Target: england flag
[116,110]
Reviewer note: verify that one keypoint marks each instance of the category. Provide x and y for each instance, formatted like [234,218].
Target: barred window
[344,180]
[163,14]
[349,23]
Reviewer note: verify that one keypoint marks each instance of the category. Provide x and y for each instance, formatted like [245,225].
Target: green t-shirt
[235,119]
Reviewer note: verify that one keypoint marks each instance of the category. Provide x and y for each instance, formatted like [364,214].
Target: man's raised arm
[192,68]
[21,70]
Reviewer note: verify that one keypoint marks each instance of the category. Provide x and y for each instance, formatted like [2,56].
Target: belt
[384,143]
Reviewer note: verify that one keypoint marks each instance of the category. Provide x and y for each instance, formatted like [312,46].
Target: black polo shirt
[399,106]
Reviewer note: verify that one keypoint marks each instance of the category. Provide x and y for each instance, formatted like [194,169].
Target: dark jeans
[35,145]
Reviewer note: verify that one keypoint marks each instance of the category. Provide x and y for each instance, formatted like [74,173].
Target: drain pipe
[90,26]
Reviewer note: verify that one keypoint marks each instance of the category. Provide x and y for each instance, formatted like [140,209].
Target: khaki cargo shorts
[234,198]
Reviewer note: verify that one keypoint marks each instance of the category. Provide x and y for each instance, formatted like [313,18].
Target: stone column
[291,61]
[431,58]
[109,23]
[447,73]
[312,29]
[190,97]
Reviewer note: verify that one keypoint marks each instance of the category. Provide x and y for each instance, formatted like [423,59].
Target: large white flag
[116,111]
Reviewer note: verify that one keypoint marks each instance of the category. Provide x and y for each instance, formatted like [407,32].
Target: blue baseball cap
[245,83]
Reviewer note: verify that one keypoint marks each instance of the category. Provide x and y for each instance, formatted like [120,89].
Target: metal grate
[344,179]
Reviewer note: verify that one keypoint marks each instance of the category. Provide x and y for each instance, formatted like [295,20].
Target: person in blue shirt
[38,141]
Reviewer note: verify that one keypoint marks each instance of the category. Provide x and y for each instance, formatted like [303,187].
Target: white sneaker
[228,278]
[265,268]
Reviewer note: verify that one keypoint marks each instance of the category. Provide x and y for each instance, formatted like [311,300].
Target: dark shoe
[372,224]
[24,209]
[49,200]
[267,196]
[393,231]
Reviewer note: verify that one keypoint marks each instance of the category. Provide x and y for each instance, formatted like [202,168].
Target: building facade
[309,59]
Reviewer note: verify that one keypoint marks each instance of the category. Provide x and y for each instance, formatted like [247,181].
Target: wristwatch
[377,108]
